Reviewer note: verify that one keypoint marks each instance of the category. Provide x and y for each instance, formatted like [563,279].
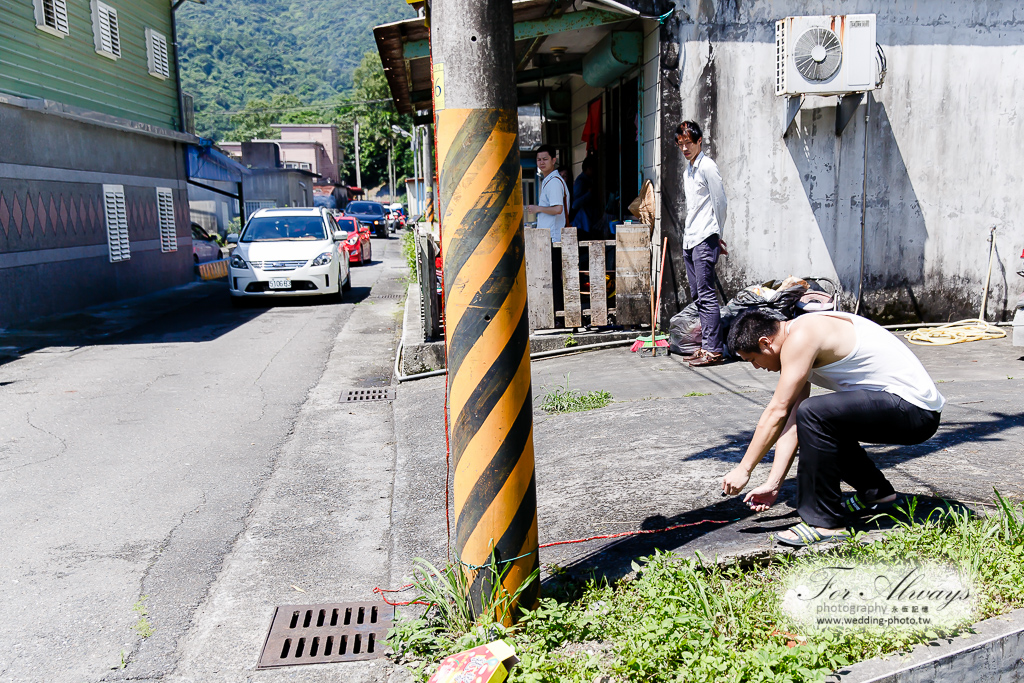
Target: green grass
[409,251]
[562,399]
[691,620]
[696,393]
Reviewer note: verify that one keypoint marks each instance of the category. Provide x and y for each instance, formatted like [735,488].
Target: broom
[659,340]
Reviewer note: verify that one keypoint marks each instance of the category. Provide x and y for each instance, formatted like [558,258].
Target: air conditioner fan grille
[818,54]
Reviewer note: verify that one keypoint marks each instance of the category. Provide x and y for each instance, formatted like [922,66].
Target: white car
[288,252]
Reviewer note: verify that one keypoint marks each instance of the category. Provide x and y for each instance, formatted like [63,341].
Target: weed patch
[696,393]
[409,252]
[562,399]
[448,624]
[143,626]
[691,620]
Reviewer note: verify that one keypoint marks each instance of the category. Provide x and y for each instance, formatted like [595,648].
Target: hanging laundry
[592,129]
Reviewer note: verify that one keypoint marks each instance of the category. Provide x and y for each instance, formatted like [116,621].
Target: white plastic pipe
[533,356]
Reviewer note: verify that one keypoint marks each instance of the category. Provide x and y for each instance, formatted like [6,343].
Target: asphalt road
[136,471]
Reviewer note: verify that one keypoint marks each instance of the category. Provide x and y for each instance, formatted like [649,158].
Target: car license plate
[280,283]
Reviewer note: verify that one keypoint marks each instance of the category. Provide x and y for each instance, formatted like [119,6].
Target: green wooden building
[93,193]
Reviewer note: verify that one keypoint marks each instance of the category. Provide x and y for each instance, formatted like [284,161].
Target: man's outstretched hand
[735,481]
[761,498]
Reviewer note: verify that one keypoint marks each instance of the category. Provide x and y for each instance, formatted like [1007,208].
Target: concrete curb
[420,356]
[993,654]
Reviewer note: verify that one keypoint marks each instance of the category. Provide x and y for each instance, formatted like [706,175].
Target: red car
[357,245]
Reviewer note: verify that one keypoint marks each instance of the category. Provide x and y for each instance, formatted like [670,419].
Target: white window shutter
[106,29]
[115,32]
[117,223]
[60,15]
[165,212]
[52,16]
[156,51]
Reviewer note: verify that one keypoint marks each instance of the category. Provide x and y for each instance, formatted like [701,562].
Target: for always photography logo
[855,597]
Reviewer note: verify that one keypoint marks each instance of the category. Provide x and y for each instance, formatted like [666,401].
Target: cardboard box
[485,664]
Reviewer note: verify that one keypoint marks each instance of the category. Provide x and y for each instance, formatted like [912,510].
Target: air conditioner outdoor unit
[825,55]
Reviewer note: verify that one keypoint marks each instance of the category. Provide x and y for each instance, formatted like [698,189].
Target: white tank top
[879,362]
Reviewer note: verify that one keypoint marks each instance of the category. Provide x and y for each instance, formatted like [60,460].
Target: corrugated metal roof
[410,79]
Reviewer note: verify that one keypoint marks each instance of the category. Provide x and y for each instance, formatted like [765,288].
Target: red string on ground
[638,532]
[381,591]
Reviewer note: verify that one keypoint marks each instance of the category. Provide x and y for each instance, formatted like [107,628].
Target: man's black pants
[830,429]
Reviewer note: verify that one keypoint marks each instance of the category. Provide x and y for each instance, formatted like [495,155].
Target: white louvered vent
[165,211]
[106,30]
[117,223]
[780,57]
[156,50]
[52,16]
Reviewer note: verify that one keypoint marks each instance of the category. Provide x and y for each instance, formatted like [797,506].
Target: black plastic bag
[684,331]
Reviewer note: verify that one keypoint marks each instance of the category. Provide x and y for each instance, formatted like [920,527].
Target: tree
[376,113]
[254,122]
[233,51]
[369,102]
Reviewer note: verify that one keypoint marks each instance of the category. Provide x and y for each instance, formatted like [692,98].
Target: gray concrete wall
[53,240]
[944,154]
[286,187]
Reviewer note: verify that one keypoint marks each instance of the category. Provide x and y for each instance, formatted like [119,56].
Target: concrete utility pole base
[481,208]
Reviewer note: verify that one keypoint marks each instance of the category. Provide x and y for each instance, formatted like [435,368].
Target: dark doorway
[621,160]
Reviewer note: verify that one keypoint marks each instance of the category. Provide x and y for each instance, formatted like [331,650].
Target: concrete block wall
[53,239]
[650,112]
[943,163]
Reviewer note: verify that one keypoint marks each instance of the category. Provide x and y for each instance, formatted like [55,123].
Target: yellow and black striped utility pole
[486,319]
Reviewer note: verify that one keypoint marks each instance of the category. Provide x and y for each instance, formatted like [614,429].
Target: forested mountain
[234,51]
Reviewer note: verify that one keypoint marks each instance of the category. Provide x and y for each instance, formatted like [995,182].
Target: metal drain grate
[387,296]
[320,634]
[371,394]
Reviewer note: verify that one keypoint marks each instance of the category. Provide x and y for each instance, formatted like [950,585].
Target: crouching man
[880,394]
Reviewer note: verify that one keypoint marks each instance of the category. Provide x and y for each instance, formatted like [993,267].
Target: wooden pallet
[631,253]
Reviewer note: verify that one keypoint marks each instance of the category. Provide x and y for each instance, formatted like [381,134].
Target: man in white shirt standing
[554,195]
[702,243]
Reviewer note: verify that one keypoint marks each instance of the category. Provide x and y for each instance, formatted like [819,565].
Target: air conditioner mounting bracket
[793,103]
[845,110]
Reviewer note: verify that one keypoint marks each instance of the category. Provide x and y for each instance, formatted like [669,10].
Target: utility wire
[336,105]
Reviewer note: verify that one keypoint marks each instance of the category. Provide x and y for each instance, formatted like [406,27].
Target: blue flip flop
[807,535]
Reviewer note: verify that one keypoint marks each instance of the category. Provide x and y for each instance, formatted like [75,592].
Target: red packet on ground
[485,664]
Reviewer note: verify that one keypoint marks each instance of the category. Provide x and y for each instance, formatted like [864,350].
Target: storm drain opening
[370,394]
[321,634]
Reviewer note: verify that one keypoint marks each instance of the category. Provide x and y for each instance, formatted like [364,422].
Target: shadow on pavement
[736,526]
[950,433]
[199,312]
[614,560]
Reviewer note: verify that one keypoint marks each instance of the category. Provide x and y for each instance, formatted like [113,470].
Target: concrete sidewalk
[656,456]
